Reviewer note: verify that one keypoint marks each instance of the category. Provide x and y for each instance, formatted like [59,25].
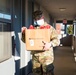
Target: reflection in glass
[5,6]
[5,16]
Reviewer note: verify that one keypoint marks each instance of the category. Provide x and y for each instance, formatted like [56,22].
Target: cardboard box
[34,38]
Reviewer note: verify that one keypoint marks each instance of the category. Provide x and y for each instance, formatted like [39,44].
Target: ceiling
[60,9]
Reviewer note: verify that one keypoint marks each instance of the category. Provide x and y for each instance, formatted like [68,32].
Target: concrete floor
[64,61]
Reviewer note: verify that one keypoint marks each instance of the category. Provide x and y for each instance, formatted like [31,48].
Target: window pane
[69,29]
[5,9]
[5,41]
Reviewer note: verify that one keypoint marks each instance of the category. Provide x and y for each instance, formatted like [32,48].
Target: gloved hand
[47,45]
[23,29]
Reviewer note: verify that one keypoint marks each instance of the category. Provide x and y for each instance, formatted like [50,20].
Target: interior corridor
[64,61]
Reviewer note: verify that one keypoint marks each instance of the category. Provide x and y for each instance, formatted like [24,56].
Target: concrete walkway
[64,61]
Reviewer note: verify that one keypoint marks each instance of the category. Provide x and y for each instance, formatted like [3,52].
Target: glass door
[5,41]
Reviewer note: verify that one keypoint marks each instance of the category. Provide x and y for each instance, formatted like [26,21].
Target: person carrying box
[43,60]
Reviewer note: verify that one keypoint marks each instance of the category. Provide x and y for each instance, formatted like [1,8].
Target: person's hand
[23,29]
[46,45]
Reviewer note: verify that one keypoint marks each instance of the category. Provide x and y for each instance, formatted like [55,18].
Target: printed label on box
[31,42]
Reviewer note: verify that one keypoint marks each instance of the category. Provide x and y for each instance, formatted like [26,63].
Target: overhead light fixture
[62,9]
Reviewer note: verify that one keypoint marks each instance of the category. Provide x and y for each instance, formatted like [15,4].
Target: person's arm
[54,40]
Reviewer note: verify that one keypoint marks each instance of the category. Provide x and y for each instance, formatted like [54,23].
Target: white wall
[45,13]
[36,6]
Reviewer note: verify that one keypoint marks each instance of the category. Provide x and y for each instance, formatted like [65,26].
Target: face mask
[40,22]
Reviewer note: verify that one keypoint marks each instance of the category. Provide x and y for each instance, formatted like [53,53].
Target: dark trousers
[50,70]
